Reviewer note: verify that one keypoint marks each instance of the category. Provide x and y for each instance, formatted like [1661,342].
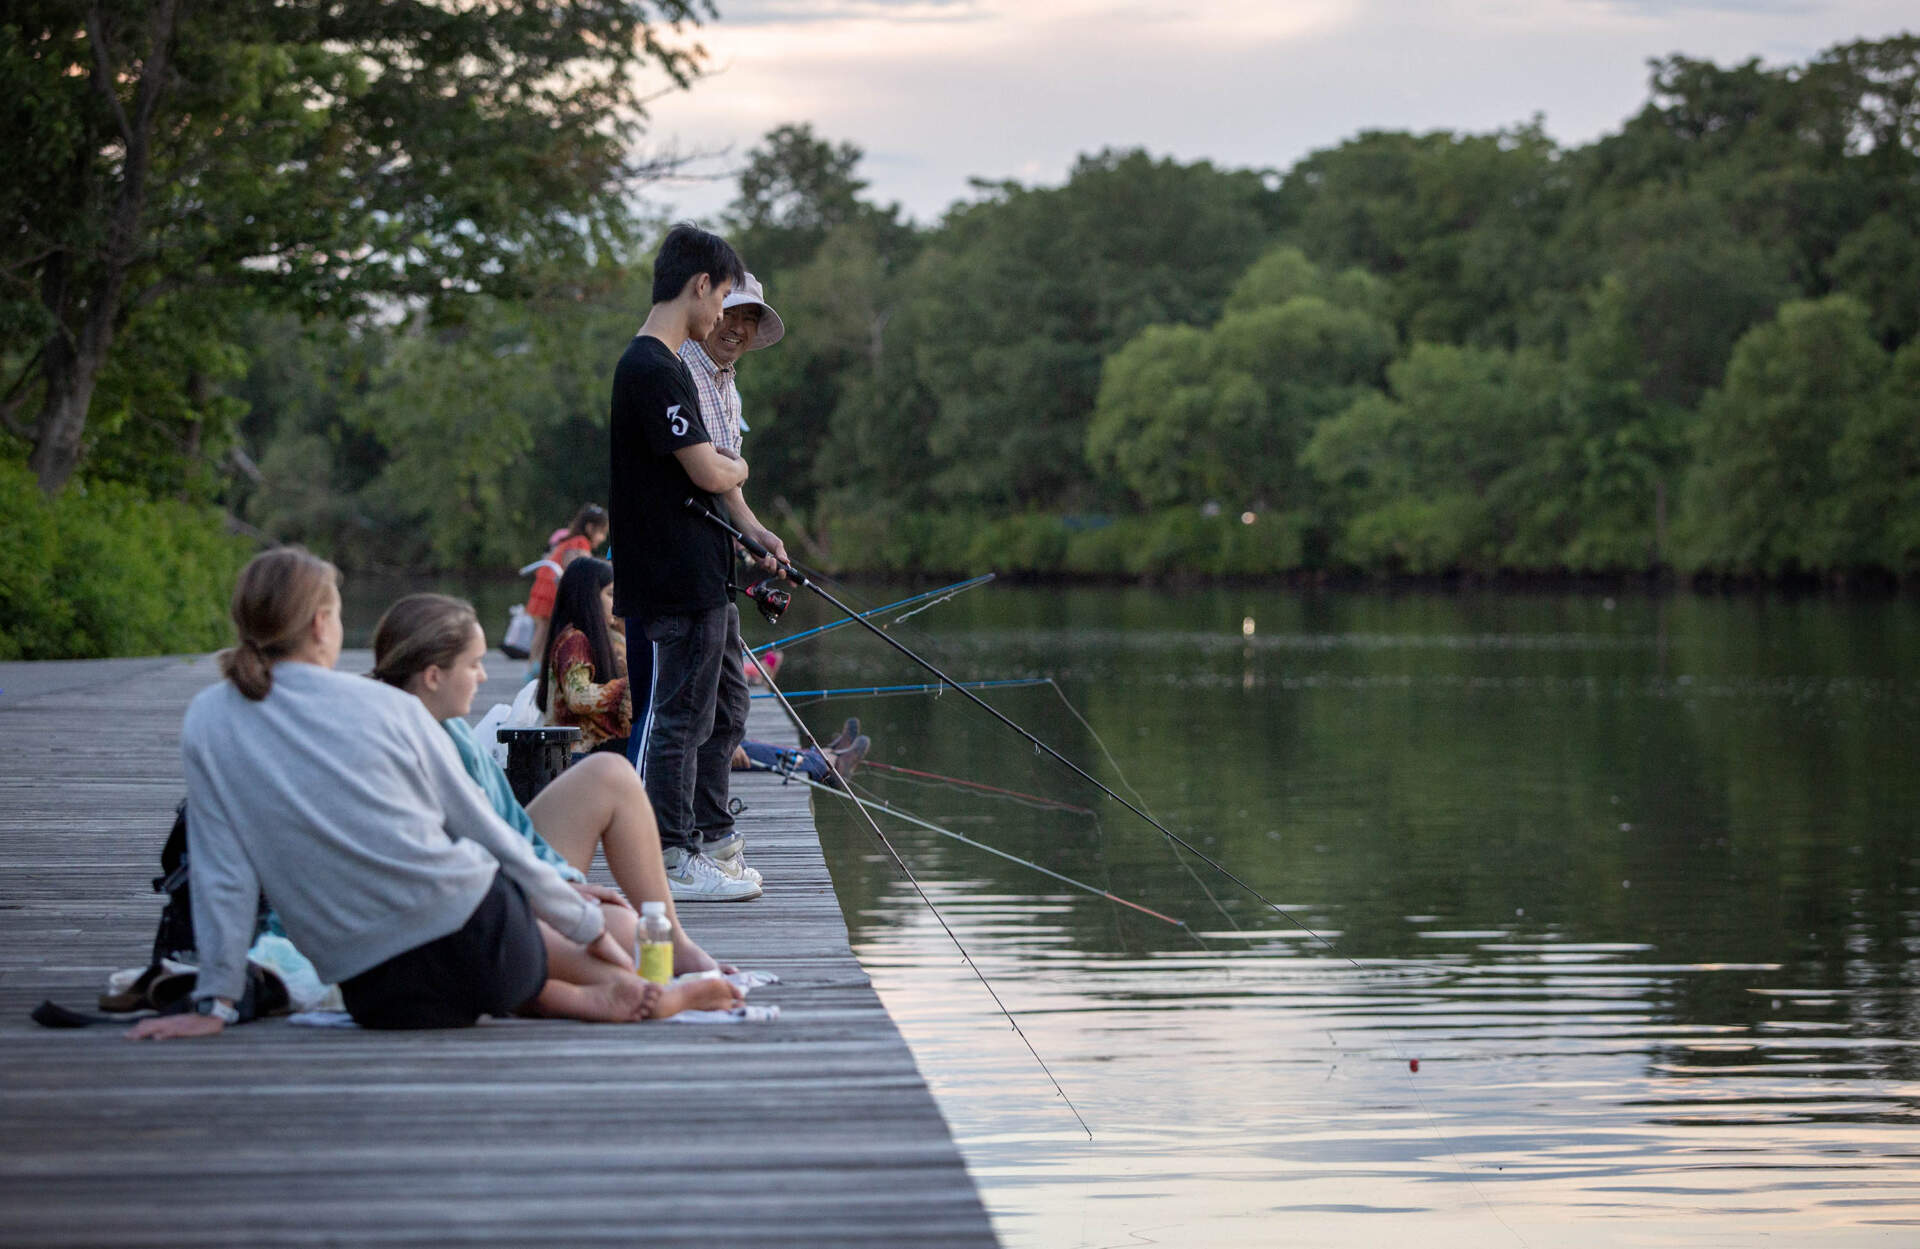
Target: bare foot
[689,958]
[618,999]
[708,994]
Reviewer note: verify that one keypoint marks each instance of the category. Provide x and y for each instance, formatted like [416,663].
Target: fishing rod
[946,590]
[855,691]
[1052,804]
[874,804]
[799,578]
[899,862]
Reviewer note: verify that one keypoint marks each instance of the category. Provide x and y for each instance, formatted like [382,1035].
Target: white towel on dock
[745,981]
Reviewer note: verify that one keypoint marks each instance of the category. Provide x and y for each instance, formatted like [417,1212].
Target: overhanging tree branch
[103,75]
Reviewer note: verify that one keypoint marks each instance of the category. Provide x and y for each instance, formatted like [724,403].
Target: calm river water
[1635,884]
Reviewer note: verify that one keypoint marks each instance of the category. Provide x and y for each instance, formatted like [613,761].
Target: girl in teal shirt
[432,646]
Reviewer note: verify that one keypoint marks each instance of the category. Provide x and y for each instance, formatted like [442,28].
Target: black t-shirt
[667,561]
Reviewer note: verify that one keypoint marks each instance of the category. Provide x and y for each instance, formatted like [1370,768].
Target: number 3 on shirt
[675,421]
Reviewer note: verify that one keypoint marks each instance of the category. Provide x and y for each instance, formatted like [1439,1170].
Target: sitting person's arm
[499,792]
[583,697]
[603,710]
[226,901]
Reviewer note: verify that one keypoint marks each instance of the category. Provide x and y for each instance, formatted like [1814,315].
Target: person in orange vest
[584,536]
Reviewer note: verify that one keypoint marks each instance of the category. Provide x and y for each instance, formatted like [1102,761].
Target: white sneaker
[693,877]
[729,855]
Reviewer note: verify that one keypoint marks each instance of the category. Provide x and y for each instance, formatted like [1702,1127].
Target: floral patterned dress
[602,710]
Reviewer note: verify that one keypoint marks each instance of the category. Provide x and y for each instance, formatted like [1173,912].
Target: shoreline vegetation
[1193,547]
[1685,354]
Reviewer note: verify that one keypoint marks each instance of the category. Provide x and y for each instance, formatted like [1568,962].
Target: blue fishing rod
[946,591]
[899,860]
[798,577]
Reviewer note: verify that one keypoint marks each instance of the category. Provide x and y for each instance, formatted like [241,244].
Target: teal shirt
[487,774]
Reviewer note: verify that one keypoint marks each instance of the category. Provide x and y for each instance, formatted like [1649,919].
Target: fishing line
[935,603]
[888,691]
[981,845]
[935,778]
[892,853]
[1121,772]
[1097,739]
[876,804]
[1406,1072]
[799,578]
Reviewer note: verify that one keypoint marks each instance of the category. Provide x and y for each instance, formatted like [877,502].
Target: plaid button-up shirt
[719,398]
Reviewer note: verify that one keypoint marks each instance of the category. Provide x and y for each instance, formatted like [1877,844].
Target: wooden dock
[816,1129]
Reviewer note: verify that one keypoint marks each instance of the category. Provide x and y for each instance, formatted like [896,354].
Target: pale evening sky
[937,91]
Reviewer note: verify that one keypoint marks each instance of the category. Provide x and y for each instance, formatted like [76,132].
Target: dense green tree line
[181,171]
[378,317]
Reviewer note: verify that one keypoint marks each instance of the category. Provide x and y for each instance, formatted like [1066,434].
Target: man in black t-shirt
[673,570]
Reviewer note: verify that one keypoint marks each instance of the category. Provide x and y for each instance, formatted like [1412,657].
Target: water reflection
[1634,886]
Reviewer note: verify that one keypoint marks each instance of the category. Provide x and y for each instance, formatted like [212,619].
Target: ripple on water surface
[1626,908]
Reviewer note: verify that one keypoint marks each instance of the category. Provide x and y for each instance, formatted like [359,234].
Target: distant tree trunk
[876,338]
[71,359]
[70,375]
[1659,523]
[199,394]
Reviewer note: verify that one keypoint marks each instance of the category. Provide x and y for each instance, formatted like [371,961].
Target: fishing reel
[770,599]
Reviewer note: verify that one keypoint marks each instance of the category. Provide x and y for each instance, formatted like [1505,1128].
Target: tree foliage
[357,272]
[1221,415]
[834,264]
[1806,455]
[1019,295]
[314,156]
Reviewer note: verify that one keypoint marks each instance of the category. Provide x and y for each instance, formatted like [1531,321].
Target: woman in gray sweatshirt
[345,804]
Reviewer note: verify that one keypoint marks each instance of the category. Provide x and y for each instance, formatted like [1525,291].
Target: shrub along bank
[103,571]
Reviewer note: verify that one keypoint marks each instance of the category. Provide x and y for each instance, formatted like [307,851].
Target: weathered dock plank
[814,1130]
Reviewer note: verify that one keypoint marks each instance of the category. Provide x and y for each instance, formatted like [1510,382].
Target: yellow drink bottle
[656,943]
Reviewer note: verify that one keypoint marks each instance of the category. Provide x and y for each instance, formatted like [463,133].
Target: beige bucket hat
[771,327]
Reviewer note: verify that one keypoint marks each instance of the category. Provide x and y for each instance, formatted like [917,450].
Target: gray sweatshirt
[345,803]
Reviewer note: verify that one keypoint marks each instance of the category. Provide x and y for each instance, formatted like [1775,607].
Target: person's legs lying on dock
[832,767]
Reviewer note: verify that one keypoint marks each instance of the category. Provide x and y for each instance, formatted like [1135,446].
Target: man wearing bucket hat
[747,323]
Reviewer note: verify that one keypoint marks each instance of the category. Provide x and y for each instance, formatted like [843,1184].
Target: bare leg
[580,986]
[600,802]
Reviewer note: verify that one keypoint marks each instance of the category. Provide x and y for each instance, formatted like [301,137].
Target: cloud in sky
[1660,7]
[938,91]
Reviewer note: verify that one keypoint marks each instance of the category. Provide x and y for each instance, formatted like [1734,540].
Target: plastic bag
[517,642]
[522,714]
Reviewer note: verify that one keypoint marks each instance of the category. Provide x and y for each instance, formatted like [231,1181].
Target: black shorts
[493,964]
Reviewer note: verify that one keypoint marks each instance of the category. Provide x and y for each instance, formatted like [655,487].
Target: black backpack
[171,992]
[174,938]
